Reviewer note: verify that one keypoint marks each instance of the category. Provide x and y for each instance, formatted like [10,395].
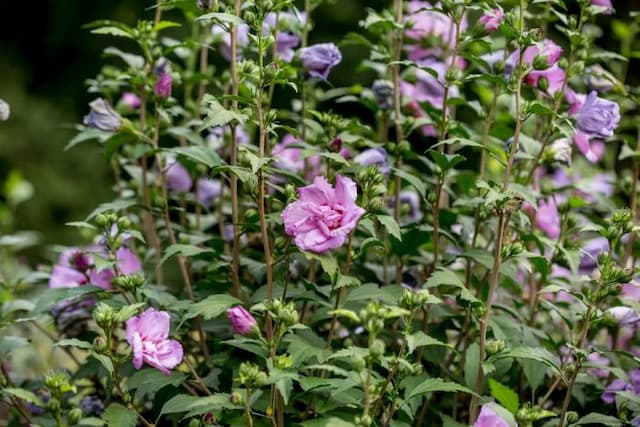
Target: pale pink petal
[153,325]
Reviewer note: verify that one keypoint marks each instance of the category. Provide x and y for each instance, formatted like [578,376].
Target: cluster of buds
[251,375]
[495,347]
[414,299]
[528,414]
[371,180]
[512,249]
[284,314]
[129,282]
[620,224]
[104,315]
[610,272]
[113,228]
[373,316]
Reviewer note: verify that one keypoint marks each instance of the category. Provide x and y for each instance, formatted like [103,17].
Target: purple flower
[70,270]
[542,55]
[92,405]
[219,136]
[241,320]
[427,25]
[575,100]
[5,110]
[177,177]
[428,87]
[208,190]
[130,99]
[600,360]
[290,158]
[489,418]
[592,150]
[609,395]
[374,156]
[548,218]
[319,59]
[148,336]
[624,316]
[550,80]
[204,4]
[598,117]
[102,116]
[163,85]
[242,40]
[286,40]
[492,19]
[591,250]
[126,261]
[603,3]
[322,217]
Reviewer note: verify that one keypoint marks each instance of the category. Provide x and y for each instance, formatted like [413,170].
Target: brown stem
[633,203]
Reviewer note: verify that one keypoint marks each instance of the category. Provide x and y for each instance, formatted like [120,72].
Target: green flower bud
[358,363]
[74,417]
[123,223]
[237,398]
[53,405]
[495,346]
[572,417]
[194,422]
[101,220]
[541,62]
[377,349]
[103,315]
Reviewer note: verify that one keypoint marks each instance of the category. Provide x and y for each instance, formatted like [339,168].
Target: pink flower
[131,100]
[290,159]
[492,19]
[177,176]
[163,85]
[546,51]
[553,79]
[604,3]
[488,418]
[575,100]
[322,217]
[592,150]
[548,218]
[126,261]
[427,25]
[241,320]
[148,336]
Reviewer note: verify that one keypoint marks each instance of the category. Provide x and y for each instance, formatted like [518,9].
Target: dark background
[46,57]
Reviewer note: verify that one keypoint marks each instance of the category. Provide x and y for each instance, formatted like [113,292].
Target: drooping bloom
[492,19]
[323,216]
[489,418]
[148,335]
[177,177]
[208,190]
[598,117]
[624,316]
[5,110]
[319,59]
[241,320]
[102,116]
[548,218]
[374,156]
[131,100]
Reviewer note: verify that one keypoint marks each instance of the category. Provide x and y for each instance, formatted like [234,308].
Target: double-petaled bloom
[148,335]
[492,19]
[319,59]
[323,216]
[102,116]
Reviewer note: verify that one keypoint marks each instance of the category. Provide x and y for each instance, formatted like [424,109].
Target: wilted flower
[177,177]
[102,116]
[92,405]
[208,190]
[374,156]
[130,99]
[322,217]
[319,59]
[148,336]
[598,117]
[561,149]
[383,92]
[548,219]
[492,19]
[624,316]
[241,320]
[489,418]
[5,110]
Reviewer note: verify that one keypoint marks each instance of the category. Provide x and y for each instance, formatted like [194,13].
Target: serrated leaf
[117,415]
[503,394]
[437,384]
[392,226]
[217,115]
[210,307]
[147,382]
[74,342]
[420,339]
[23,394]
[184,250]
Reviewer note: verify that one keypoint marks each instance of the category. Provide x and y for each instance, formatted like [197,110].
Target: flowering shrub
[446,258]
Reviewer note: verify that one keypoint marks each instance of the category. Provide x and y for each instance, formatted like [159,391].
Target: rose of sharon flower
[492,19]
[322,217]
[290,158]
[242,32]
[489,418]
[624,316]
[546,51]
[131,100]
[548,218]
[163,85]
[102,116]
[177,177]
[286,40]
[148,336]
[208,190]
[241,320]
[598,117]
[374,156]
[319,59]
[604,3]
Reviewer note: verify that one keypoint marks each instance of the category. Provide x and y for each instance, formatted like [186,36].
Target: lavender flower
[286,40]
[241,320]
[624,316]
[242,32]
[604,3]
[163,85]
[208,190]
[102,116]
[598,117]
[131,100]
[489,418]
[148,336]
[92,405]
[204,4]
[374,156]
[177,177]
[492,19]
[542,55]
[319,59]
[5,110]
[609,395]
[323,216]
[548,218]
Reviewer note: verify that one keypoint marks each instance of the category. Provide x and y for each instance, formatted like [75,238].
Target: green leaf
[148,382]
[531,353]
[204,155]
[74,342]
[52,296]
[416,182]
[104,361]
[88,135]
[188,134]
[91,422]
[196,405]
[223,18]
[447,277]
[184,250]
[210,307]
[420,339]
[113,31]
[471,364]
[126,312]
[217,115]
[503,394]
[164,25]
[328,422]
[392,226]
[446,161]
[22,394]
[133,61]
[599,419]
[436,384]
[327,261]
[116,206]
[117,415]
